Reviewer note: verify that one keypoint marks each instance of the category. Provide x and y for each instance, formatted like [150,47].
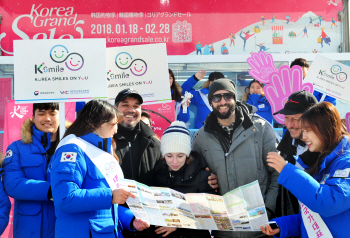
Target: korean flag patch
[8,154]
[69,157]
[341,173]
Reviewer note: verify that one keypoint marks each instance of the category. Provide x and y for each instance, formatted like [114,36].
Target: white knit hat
[176,139]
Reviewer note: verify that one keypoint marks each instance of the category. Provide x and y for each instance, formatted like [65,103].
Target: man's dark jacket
[148,152]
[148,148]
[287,203]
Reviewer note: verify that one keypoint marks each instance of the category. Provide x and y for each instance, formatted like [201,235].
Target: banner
[162,115]
[60,70]
[141,67]
[5,95]
[187,27]
[330,77]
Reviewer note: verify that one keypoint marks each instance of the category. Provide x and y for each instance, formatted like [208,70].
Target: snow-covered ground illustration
[282,38]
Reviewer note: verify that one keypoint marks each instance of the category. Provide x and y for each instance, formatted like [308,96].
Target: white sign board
[59,70]
[140,67]
[330,77]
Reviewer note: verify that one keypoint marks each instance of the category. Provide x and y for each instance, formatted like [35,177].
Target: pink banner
[15,114]
[5,95]
[162,114]
[187,27]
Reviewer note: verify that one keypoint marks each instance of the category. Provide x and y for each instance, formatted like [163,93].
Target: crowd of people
[60,192]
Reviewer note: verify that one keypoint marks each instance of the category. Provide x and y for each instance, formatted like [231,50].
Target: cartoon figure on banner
[224,50]
[262,66]
[262,47]
[246,37]
[199,47]
[263,20]
[212,49]
[292,34]
[273,18]
[311,20]
[333,23]
[60,54]
[281,85]
[305,33]
[232,39]
[287,18]
[206,50]
[123,60]
[320,19]
[324,38]
[277,36]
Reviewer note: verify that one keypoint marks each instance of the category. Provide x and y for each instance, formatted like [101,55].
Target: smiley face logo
[74,62]
[138,67]
[58,53]
[335,69]
[123,60]
[341,77]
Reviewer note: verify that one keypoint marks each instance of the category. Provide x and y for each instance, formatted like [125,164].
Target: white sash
[205,100]
[106,163]
[313,223]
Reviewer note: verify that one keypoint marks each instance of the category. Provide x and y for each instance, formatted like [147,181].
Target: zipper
[132,167]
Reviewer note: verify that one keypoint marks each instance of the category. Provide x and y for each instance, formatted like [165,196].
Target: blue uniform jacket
[83,199]
[5,207]
[25,180]
[331,200]
[319,95]
[202,109]
[263,106]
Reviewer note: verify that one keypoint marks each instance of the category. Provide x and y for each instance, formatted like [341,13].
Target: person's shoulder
[199,133]
[69,148]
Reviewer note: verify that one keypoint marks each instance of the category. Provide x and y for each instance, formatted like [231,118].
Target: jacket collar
[104,144]
[286,145]
[339,149]
[40,138]
[141,128]
[205,90]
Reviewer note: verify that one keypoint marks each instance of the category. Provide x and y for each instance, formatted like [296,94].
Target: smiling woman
[182,170]
[81,199]
[326,182]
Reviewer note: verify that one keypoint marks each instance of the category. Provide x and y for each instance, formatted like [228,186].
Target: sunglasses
[217,97]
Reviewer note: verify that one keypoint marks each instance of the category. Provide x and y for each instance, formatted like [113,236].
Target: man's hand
[163,229]
[119,196]
[139,224]
[212,180]
[200,74]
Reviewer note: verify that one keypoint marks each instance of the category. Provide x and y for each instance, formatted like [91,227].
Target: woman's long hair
[175,88]
[324,120]
[92,116]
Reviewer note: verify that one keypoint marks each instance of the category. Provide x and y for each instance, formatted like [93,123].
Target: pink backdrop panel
[162,114]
